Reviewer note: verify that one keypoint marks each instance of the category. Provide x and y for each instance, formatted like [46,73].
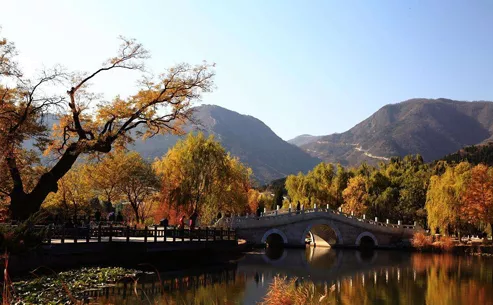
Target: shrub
[421,241]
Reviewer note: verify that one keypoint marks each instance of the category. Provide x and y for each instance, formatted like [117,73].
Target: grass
[284,291]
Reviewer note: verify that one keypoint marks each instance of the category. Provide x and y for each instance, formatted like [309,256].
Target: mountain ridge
[430,127]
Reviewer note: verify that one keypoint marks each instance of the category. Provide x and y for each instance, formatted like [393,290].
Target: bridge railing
[288,213]
[129,234]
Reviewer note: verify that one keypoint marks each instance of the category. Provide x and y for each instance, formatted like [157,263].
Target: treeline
[474,154]
[196,174]
[445,197]
[395,190]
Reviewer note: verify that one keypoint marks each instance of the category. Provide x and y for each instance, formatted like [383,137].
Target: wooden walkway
[127,234]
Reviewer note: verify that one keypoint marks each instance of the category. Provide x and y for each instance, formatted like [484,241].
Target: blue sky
[314,67]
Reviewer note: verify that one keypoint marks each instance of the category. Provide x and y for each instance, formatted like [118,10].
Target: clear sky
[314,67]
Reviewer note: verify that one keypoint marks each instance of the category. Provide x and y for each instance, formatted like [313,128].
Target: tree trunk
[23,205]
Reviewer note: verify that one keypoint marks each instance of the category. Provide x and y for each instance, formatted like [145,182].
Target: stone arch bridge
[325,227]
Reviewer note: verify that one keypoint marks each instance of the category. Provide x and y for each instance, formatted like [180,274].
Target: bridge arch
[316,231]
[366,236]
[272,232]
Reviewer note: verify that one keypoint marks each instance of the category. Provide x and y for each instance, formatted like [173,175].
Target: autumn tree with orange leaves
[87,125]
[478,196]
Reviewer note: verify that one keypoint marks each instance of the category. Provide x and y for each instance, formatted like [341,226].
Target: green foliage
[69,286]
[24,236]
[444,200]
[394,190]
[198,174]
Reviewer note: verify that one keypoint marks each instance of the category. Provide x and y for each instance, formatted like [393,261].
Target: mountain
[430,127]
[303,139]
[245,137]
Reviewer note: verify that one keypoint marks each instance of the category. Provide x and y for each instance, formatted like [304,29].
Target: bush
[24,236]
[445,243]
[421,241]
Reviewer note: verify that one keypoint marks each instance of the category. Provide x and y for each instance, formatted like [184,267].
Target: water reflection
[376,277]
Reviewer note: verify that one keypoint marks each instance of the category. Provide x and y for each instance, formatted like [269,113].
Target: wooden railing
[131,234]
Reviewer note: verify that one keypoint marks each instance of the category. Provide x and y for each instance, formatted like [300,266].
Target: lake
[350,276]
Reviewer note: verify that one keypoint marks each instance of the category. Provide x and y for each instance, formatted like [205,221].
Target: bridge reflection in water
[384,277]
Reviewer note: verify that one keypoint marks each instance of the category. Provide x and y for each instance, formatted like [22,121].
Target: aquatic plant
[284,291]
[66,287]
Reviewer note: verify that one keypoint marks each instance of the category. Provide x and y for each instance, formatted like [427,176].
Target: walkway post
[99,232]
[76,232]
[155,233]
[111,232]
[88,235]
[165,233]
[145,234]
[127,233]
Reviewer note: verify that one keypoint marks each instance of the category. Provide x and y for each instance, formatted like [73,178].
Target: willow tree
[198,174]
[445,198]
[86,125]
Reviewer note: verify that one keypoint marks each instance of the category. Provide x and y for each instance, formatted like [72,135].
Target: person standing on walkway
[298,207]
[181,224]
[193,219]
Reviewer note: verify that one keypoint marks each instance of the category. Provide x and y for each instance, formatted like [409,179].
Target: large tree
[198,174]
[478,196]
[445,198]
[86,125]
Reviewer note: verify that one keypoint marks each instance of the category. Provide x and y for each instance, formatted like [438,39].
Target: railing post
[214,233]
[62,240]
[88,235]
[99,232]
[206,233]
[111,233]
[164,232]
[145,234]
[190,234]
[50,233]
[174,234]
[127,233]
[155,233]
[222,234]
[76,232]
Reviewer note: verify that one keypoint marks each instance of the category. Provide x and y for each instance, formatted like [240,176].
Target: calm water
[380,277]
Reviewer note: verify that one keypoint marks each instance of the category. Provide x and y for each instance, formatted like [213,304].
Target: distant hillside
[473,154]
[303,139]
[430,127]
[243,136]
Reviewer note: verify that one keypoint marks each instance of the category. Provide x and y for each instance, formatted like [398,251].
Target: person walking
[298,207]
